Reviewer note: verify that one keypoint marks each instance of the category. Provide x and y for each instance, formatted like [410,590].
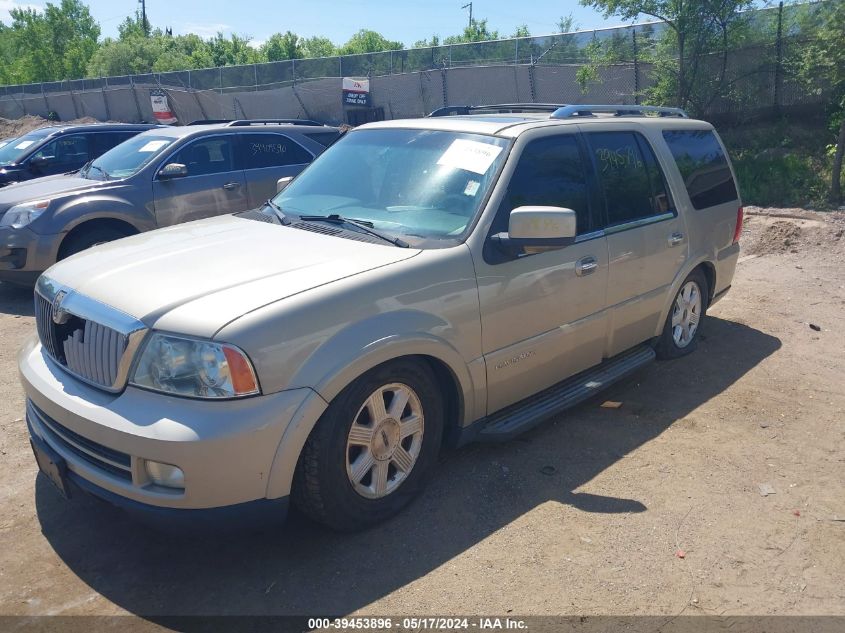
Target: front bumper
[25,254]
[226,449]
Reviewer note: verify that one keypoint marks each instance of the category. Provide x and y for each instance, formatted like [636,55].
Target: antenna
[469,6]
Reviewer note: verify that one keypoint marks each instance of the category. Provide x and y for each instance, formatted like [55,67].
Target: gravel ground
[652,508]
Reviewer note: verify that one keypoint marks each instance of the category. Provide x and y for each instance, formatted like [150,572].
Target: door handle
[675,239]
[586,266]
[231,185]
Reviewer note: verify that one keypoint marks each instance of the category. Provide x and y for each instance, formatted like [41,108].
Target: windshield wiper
[364,226]
[99,169]
[285,220]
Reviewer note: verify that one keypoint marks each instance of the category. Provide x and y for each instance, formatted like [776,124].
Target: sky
[404,20]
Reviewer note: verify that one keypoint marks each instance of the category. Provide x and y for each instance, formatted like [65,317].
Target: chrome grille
[94,342]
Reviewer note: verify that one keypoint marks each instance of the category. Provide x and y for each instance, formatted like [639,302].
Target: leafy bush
[774,179]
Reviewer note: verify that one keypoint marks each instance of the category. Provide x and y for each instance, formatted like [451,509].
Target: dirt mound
[775,231]
[779,237]
[10,128]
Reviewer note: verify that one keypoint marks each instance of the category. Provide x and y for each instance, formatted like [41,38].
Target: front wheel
[683,323]
[372,449]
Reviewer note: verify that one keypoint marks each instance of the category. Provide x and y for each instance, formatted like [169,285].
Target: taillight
[738,229]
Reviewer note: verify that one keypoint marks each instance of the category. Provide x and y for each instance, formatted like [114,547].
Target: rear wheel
[85,238]
[683,323]
[373,448]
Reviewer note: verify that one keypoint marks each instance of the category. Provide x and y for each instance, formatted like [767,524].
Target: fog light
[165,475]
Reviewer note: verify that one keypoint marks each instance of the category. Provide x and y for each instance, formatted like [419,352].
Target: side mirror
[538,227]
[283,182]
[172,170]
[38,162]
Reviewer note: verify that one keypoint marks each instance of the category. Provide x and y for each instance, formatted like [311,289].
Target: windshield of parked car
[426,184]
[17,148]
[128,158]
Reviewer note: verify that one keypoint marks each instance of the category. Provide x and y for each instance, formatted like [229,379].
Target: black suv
[58,149]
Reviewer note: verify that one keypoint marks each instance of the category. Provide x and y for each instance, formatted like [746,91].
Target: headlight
[194,368]
[22,214]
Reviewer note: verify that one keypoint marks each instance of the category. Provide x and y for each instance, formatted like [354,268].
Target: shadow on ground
[16,300]
[303,569]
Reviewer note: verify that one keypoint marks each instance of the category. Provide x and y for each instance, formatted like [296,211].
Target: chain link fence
[413,82]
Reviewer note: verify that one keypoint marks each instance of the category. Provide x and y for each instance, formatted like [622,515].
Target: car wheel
[683,323]
[86,238]
[372,449]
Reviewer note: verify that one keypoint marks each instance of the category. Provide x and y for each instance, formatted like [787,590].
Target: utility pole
[469,6]
[144,17]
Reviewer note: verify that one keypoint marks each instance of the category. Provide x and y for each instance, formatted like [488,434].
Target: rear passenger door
[215,183]
[268,156]
[646,237]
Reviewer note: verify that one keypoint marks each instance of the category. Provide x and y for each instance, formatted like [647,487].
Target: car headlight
[194,368]
[22,214]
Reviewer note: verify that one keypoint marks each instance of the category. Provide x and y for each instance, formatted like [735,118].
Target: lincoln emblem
[59,315]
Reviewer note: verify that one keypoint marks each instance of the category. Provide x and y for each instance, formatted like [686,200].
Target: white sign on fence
[161,107]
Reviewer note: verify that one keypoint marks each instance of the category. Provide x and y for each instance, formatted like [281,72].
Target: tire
[86,238]
[679,337]
[333,483]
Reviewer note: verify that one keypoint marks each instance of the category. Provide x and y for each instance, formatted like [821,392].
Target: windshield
[127,158]
[17,148]
[420,183]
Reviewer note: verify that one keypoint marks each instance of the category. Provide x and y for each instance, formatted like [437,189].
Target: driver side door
[214,185]
[543,312]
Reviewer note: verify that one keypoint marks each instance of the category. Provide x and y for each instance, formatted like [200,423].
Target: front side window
[128,158]
[65,150]
[550,172]
[629,177]
[213,155]
[427,185]
[703,166]
[273,150]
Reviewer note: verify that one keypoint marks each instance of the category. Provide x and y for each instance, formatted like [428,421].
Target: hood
[195,278]
[47,187]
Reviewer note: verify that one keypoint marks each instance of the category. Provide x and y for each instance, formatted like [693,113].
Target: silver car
[158,178]
[424,282]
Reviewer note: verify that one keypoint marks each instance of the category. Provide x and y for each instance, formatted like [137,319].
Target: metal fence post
[516,51]
[779,62]
[340,65]
[636,68]
[293,70]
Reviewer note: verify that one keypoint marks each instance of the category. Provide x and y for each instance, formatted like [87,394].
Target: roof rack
[572,111]
[501,108]
[209,121]
[248,122]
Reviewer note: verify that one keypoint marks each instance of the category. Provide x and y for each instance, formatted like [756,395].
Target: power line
[469,5]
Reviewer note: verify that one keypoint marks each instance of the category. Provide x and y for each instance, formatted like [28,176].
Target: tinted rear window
[323,138]
[703,166]
[273,150]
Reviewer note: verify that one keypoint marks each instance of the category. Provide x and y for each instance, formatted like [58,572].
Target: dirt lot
[10,128]
[589,514]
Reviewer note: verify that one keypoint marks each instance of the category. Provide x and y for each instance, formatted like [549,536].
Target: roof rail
[209,121]
[570,111]
[248,122]
[502,108]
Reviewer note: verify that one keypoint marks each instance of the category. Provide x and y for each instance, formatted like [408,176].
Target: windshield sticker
[472,188]
[24,144]
[472,156]
[153,146]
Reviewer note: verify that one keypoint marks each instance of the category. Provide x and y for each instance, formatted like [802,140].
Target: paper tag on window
[153,146]
[472,156]
[472,188]
[24,144]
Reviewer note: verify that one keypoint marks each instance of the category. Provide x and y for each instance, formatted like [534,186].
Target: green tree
[366,41]
[52,44]
[694,29]
[822,67]
[281,46]
[522,31]
[477,31]
[317,46]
